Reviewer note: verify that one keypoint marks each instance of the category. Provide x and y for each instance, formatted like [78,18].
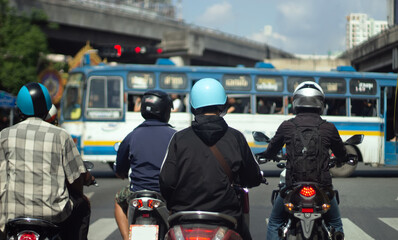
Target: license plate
[147,232]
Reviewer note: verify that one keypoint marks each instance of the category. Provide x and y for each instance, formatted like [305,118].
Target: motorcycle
[147,214]
[209,225]
[27,228]
[202,225]
[306,202]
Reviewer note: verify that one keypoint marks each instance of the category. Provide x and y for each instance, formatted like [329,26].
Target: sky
[315,27]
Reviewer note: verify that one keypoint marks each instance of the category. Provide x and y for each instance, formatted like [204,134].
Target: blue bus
[99,105]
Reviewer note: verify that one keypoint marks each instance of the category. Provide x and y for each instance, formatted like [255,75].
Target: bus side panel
[391,153]
[372,147]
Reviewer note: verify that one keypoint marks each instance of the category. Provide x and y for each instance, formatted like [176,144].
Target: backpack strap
[222,162]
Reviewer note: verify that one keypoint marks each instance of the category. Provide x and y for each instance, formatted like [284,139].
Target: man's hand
[89,179]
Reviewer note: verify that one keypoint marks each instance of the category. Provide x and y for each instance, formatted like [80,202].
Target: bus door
[388,100]
[104,115]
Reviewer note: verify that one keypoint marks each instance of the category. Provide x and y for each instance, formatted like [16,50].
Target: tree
[22,47]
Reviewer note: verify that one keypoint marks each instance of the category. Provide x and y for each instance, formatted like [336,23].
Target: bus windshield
[72,97]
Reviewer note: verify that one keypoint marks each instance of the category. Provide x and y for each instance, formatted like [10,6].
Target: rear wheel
[110,165]
[345,170]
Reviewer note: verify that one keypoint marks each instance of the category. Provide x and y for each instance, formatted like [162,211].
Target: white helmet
[308,95]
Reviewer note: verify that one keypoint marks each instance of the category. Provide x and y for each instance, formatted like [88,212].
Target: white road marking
[353,232]
[102,228]
[89,195]
[392,222]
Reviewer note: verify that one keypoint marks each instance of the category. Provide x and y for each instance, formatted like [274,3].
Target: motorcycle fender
[307,222]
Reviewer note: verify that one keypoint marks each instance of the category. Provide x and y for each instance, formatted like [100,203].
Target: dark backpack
[306,153]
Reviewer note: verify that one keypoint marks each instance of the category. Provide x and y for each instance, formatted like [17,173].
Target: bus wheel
[110,165]
[345,170]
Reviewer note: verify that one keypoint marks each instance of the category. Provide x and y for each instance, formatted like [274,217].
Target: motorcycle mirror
[116,146]
[281,165]
[260,137]
[89,165]
[354,140]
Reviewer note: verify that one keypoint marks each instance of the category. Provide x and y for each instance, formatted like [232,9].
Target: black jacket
[191,178]
[330,140]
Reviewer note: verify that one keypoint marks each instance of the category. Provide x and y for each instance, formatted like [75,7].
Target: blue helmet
[33,99]
[207,92]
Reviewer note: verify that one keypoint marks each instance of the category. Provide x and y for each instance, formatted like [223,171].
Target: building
[360,27]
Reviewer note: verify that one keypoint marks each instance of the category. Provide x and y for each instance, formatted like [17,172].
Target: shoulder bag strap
[222,162]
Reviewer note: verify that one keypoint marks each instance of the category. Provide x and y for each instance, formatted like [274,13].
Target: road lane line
[392,222]
[89,195]
[353,232]
[101,228]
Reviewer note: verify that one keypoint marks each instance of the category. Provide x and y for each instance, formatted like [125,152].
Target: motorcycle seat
[201,217]
[146,193]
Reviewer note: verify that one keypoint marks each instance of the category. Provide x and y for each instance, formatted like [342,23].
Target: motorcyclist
[41,171]
[191,178]
[308,103]
[143,151]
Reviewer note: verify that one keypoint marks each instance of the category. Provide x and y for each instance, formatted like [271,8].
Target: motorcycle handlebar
[333,161]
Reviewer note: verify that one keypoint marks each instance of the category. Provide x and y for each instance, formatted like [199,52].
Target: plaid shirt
[36,159]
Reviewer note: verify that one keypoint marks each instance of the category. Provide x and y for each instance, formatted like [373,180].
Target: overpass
[378,54]
[102,24]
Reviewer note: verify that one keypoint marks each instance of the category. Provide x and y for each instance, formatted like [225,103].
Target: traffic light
[117,51]
[111,51]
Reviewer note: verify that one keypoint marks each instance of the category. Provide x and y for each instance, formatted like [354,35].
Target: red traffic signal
[118,49]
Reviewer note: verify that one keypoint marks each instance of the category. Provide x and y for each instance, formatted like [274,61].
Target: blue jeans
[278,216]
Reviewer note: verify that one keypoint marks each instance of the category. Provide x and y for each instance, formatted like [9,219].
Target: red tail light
[308,191]
[307,210]
[153,203]
[199,233]
[28,236]
[137,203]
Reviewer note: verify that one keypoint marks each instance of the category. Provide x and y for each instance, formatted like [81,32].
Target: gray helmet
[308,95]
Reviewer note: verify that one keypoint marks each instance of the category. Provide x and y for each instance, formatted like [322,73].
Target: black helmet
[33,99]
[156,105]
[308,96]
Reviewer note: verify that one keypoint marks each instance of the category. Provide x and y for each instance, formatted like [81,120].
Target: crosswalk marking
[392,222]
[353,232]
[104,227]
[101,228]
[89,195]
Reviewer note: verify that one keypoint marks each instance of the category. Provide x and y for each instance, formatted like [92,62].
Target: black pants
[75,227]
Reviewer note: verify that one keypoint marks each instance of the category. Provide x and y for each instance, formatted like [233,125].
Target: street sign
[6,100]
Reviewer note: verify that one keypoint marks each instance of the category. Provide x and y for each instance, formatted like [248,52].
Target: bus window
[333,85]
[363,86]
[141,80]
[269,105]
[72,103]
[363,107]
[335,107]
[114,93]
[236,82]
[293,82]
[173,80]
[134,102]
[178,102]
[104,98]
[237,104]
[269,83]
